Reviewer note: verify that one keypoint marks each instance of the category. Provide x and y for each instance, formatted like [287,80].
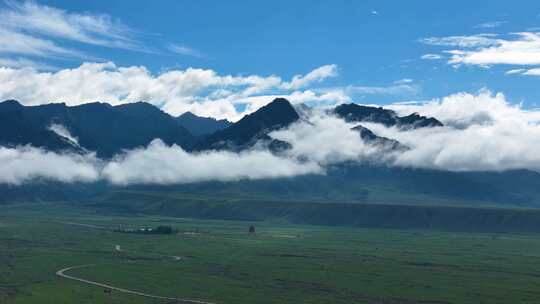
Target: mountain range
[109,130]
[98,127]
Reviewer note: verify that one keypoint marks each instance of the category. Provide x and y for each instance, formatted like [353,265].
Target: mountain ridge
[198,125]
[353,112]
[252,128]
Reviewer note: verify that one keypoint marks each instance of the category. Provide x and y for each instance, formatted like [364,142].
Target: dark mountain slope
[386,143]
[253,127]
[198,126]
[357,113]
[17,127]
[98,127]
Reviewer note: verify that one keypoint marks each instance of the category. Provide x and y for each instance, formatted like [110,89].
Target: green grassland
[282,263]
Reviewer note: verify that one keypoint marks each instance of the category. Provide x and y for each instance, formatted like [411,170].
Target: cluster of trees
[158,230]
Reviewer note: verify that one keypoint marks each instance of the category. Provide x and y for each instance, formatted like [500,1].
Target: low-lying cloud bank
[161,164]
[155,164]
[22,164]
[483,132]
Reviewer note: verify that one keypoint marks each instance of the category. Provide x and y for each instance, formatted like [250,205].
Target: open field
[283,263]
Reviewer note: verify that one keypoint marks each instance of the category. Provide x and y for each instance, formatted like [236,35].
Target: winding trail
[62,273]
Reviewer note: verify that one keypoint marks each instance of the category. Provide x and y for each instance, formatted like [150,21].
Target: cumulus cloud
[202,91]
[483,132]
[490,49]
[326,140]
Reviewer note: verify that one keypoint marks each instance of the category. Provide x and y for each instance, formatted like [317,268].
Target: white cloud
[431,57]
[491,24]
[528,72]
[185,50]
[395,89]
[19,43]
[201,91]
[532,72]
[515,71]
[480,40]
[326,140]
[19,63]
[27,163]
[155,164]
[403,81]
[64,132]
[525,50]
[483,132]
[487,50]
[160,164]
[30,30]
[317,75]
[31,17]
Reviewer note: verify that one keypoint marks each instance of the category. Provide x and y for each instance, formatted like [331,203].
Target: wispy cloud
[20,63]
[13,42]
[490,24]
[472,41]
[404,81]
[533,72]
[30,30]
[185,50]
[317,75]
[400,87]
[485,50]
[515,71]
[431,57]
[33,18]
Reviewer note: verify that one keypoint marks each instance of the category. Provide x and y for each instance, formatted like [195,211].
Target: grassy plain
[282,263]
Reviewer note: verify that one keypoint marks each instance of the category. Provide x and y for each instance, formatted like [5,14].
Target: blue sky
[377,46]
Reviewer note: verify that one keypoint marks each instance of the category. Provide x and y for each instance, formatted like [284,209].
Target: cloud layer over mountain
[482,132]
